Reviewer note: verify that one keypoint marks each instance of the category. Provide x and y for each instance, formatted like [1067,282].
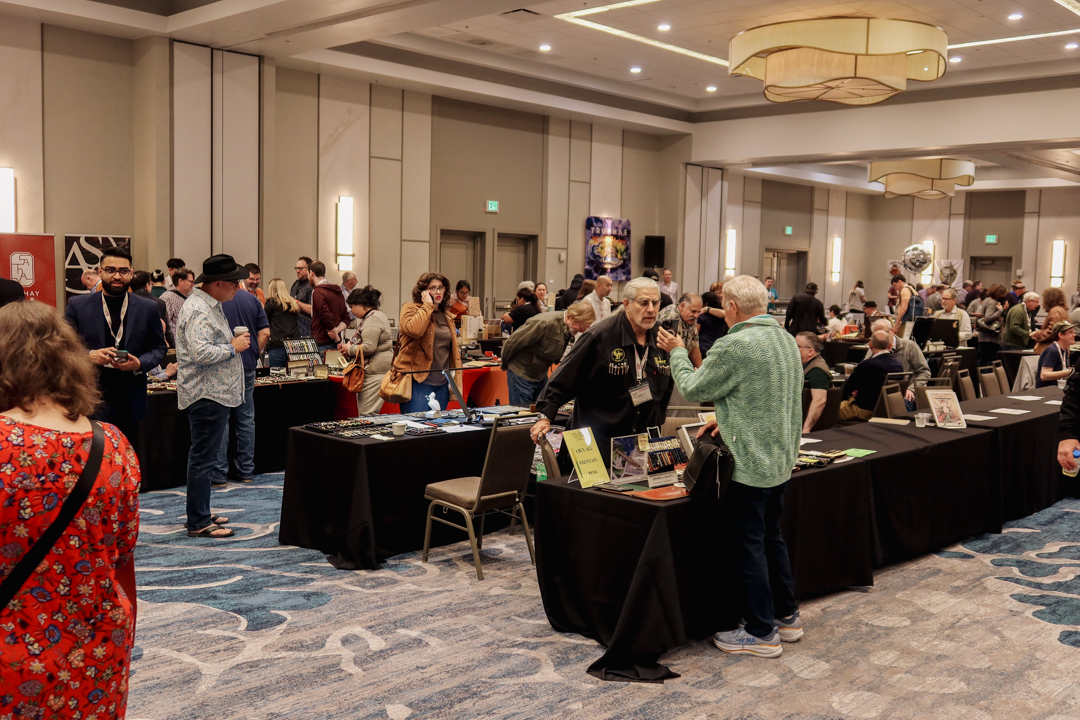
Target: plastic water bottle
[1076,468]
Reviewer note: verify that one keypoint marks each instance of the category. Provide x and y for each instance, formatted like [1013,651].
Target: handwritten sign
[588,461]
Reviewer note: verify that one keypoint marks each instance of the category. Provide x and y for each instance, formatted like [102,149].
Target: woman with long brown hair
[1053,302]
[74,615]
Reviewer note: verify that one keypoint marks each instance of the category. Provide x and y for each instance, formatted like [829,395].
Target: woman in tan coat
[1053,302]
[427,342]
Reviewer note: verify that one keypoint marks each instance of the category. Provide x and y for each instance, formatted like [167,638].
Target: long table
[164,435]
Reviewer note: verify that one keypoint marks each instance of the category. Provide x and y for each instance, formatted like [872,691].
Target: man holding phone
[126,340]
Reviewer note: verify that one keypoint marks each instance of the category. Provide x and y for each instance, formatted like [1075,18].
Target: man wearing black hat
[210,381]
[10,291]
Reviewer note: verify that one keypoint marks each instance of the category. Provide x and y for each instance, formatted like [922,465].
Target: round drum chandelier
[854,61]
[927,179]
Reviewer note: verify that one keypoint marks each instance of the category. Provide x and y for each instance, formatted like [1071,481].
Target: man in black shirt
[805,313]
[301,290]
[862,389]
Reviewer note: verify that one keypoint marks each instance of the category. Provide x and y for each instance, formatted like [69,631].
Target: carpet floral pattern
[246,628]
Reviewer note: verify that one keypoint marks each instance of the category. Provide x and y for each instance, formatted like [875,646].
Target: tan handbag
[396,387]
[353,375]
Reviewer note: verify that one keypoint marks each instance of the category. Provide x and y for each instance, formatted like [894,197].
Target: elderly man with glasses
[301,290]
[619,378]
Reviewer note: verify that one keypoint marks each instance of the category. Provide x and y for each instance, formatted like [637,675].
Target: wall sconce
[345,233]
[729,255]
[1057,264]
[837,262]
[7,200]
[928,273]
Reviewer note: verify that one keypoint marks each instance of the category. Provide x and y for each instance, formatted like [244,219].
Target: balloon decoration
[917,258]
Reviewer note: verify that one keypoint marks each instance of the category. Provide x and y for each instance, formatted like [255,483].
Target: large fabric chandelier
[855,61]
[927,179]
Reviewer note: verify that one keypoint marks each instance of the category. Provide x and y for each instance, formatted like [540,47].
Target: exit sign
[787,230]
[492,206]
[991,239]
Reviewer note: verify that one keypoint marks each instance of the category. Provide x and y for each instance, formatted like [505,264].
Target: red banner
[30,260]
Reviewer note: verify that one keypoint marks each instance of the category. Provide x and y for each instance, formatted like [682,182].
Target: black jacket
[868,378]
[590,375]
[1069,419]
[804,312]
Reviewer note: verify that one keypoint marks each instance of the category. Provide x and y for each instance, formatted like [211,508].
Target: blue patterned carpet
[245,628]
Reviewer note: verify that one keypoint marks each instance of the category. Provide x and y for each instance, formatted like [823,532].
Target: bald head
[880,340]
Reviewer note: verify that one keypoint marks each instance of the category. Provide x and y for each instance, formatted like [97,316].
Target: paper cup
[399,429]
[921,419]
[239,330]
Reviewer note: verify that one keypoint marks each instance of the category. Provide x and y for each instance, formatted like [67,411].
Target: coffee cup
[399,429]
[239,330]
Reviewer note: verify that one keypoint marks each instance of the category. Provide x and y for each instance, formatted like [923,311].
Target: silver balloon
[917,258]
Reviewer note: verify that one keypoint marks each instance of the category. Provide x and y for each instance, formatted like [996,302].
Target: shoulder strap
[72,504]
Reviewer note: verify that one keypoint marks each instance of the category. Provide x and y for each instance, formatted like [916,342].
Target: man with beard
[126,340]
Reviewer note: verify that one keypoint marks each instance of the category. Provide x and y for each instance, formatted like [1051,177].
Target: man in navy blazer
[112,321]
[863,387]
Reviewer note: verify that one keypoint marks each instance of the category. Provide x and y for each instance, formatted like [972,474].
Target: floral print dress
[66,636]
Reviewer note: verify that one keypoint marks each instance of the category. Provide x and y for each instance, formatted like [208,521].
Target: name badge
[640,393]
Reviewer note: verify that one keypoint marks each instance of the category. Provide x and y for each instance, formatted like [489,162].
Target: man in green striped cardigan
[753,375]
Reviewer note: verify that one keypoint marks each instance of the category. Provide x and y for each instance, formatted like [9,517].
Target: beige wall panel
[1058,219]
[414,261]
[930,221]
[20,119]
[580,151]
[752,229]
[386,105]
[88,107]
[835,293]
[344,136]
[890,233]
[416,167]
[294,217]
[153,147]
[575,229]
[752,189]
[557,179]
[555,274]
[191,151]
[606,179]
[995,213]
[785,205]
[858,253]
[481,153]
[268,160]
[818,237]
[732,209]
[956,230]
[674,153]
[694,215]
[385,256]
[640,191]
[240,156]
[1032,252]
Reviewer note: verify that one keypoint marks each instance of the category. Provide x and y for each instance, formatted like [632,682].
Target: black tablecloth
[1026,450]
[642,577]
[932,487]
[362,500]
[164,435]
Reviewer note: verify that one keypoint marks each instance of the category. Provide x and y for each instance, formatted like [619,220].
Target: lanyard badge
[117,336]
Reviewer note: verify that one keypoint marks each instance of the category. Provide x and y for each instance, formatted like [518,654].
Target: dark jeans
[277,357]
[209,422]
[242,419]
[988,352]
[419,402]
[523,392]
[752,516]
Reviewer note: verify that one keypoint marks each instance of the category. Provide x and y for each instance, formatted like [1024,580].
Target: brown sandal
[212,531]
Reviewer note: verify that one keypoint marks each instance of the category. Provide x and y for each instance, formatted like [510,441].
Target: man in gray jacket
[528,354]
[910,356]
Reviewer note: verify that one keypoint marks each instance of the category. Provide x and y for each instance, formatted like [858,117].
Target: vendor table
[643,577]
[164,436]
[361,500]
[483,387]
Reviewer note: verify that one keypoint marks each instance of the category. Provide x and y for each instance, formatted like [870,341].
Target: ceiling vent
[521,14]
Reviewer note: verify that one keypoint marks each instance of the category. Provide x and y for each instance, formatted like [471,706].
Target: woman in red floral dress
[66,636]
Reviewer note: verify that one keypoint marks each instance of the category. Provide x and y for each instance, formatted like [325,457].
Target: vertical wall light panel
[386,105]
[732,219]
[236,160]
[416,166]
[192,156]
[20,119]
[344,136]
[385,244]
[836,292]
[606,177]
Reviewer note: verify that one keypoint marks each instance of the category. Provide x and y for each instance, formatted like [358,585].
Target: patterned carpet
[249,629]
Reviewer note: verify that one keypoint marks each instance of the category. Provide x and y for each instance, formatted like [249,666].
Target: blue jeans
[752,516]
[209,422]
[243,419]
[420,391]
[523,392]
[278,357]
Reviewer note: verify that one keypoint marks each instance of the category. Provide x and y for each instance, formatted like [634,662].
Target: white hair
[630,290]
[884,322]
[748,293]
[1030,296]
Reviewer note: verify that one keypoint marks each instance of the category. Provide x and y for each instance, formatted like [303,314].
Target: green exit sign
[991,239]
[492,206]
[787,230]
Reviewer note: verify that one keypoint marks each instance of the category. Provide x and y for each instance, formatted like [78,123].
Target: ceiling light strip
[1015,39]
[605,8]
[642,39]
[1071,5]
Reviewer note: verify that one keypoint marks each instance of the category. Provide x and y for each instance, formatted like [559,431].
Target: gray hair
[949,290]
[883,322]
[748,293]
[630,290]
[1030,296]
[347,276]
[688,298]
[813,340]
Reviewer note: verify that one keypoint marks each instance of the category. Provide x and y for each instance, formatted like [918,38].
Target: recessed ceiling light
[545,48]
[1071,46]
[635,69]
[711,88]
[954,59]
[1015,16]
[665,26]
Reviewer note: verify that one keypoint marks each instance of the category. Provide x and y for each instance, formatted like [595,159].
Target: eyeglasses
[122,272]
[298,268]
[643,303]
[437,288]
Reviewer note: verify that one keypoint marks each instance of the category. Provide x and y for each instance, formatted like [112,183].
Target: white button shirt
[965,322]
[600,305]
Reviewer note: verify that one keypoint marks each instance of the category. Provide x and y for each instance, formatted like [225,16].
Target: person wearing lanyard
[620,380]
[1054,361]
[124,336]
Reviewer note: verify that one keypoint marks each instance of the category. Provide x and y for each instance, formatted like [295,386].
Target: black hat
[10,291]
[870,303]
[221,267]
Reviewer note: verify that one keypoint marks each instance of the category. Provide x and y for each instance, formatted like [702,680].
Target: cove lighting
[1057,264]
[837,246]
[7,200]
[1072,5]
[1014,39]
[345,233]
[545,48]
[729,254]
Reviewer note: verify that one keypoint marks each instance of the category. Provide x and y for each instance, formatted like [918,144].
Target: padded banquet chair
[903,379]
[967,387]
[1002,377]
[988,382]
[938,383]
[830,414]
[894,400]
[501,485]
[950,368]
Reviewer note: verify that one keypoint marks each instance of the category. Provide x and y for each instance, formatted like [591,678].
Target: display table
[483,387]
[359,501]
[643,577]
[164,436]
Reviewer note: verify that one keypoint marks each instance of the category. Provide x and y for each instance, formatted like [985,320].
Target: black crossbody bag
[74,502]
[710,469]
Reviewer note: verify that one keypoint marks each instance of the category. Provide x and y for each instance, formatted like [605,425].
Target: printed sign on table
[607,248]
[30,260]
[83,252]
[588,461]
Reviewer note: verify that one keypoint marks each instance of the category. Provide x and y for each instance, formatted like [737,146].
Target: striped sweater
[754,377]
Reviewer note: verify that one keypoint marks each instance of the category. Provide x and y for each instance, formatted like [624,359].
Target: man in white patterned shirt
[210,381]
